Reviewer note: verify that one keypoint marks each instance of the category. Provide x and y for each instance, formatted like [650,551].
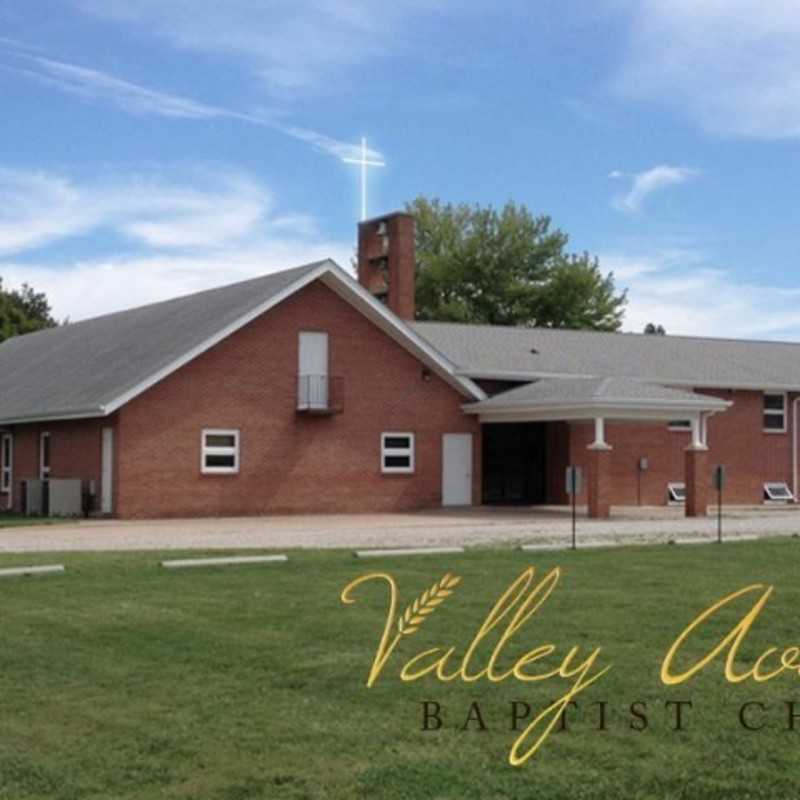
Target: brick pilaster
[697,480]
[599,481]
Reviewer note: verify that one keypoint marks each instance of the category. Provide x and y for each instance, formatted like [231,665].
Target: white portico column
[698,433]
[599,433]
[696,472]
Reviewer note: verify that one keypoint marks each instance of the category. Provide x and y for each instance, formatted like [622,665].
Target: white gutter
[55,416]
[595,406]
[527,377]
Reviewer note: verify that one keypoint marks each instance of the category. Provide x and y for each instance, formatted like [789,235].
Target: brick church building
[309,391]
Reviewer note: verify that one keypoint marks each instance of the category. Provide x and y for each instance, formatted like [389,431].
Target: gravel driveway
[469,527]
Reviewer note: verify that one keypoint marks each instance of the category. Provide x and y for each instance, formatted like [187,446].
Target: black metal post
[719,510]
[574,481]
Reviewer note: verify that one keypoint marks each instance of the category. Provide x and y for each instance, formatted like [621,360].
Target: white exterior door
[457,469]
[313,370]
[107,477]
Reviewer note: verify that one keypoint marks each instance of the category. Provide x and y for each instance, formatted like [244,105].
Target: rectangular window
[6,463]
[680,425]
[676,492]
[220,451]
[44,455]
[397,452]
[775,412]
[777,492]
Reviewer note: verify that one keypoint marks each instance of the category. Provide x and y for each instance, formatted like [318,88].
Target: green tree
[23,311]
[507,267]
[651,329]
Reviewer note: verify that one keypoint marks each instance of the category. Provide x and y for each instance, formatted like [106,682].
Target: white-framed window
[220,451]
[777,492]
[676,492]
[397,453]
[680,425]
[774,412]
[44,455]
[6,463]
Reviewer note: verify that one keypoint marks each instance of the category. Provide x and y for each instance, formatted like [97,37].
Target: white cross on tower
[364,162]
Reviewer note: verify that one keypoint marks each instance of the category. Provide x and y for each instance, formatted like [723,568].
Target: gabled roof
[568,398]
[487,351]
[91,368]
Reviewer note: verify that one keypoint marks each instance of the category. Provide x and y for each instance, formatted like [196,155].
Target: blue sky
[156,147]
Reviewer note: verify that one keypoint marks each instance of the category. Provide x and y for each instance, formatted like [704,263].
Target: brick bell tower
[387,262]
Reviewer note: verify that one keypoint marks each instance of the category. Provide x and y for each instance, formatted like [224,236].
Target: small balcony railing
[319,394]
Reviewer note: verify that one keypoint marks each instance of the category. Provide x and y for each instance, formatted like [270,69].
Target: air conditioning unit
[65,497]
[32,497]
[56,497]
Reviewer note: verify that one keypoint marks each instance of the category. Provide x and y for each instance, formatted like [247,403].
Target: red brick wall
[735,438]
[289,462]
[75,452]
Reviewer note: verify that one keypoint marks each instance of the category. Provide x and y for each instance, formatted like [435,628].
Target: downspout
[8,498]
[794,446]
[705,416]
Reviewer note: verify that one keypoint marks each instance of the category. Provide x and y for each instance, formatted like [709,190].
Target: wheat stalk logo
[395,628]
[426,604]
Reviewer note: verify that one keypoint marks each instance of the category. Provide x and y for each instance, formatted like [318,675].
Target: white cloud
[87,288]
[685,293]
[91,84]
[169,217]
[191,231]
[732,65]
[291,44]
[643,184]
[94,85]
[37,208]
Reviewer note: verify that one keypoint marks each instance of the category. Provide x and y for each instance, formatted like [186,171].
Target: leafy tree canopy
[507,267]
[23,311]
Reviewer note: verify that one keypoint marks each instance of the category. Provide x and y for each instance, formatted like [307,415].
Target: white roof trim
[587,412]
[338,280]
[54,416]
[221,334]
[354,293]
[655,410]
[701,404]
[512,375]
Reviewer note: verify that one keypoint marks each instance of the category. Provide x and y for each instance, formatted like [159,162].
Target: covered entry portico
[582,402]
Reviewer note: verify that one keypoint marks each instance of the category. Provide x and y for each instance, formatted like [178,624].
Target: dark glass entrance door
[514,463]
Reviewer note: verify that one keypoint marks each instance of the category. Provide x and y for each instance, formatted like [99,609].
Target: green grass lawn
[122,680]
[16,520]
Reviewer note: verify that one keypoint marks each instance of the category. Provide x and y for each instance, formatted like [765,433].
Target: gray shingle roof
[80,368]
[83,368]
[599,392]
[485,350]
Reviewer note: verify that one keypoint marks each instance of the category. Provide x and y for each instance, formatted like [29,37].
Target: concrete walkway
[479,526]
